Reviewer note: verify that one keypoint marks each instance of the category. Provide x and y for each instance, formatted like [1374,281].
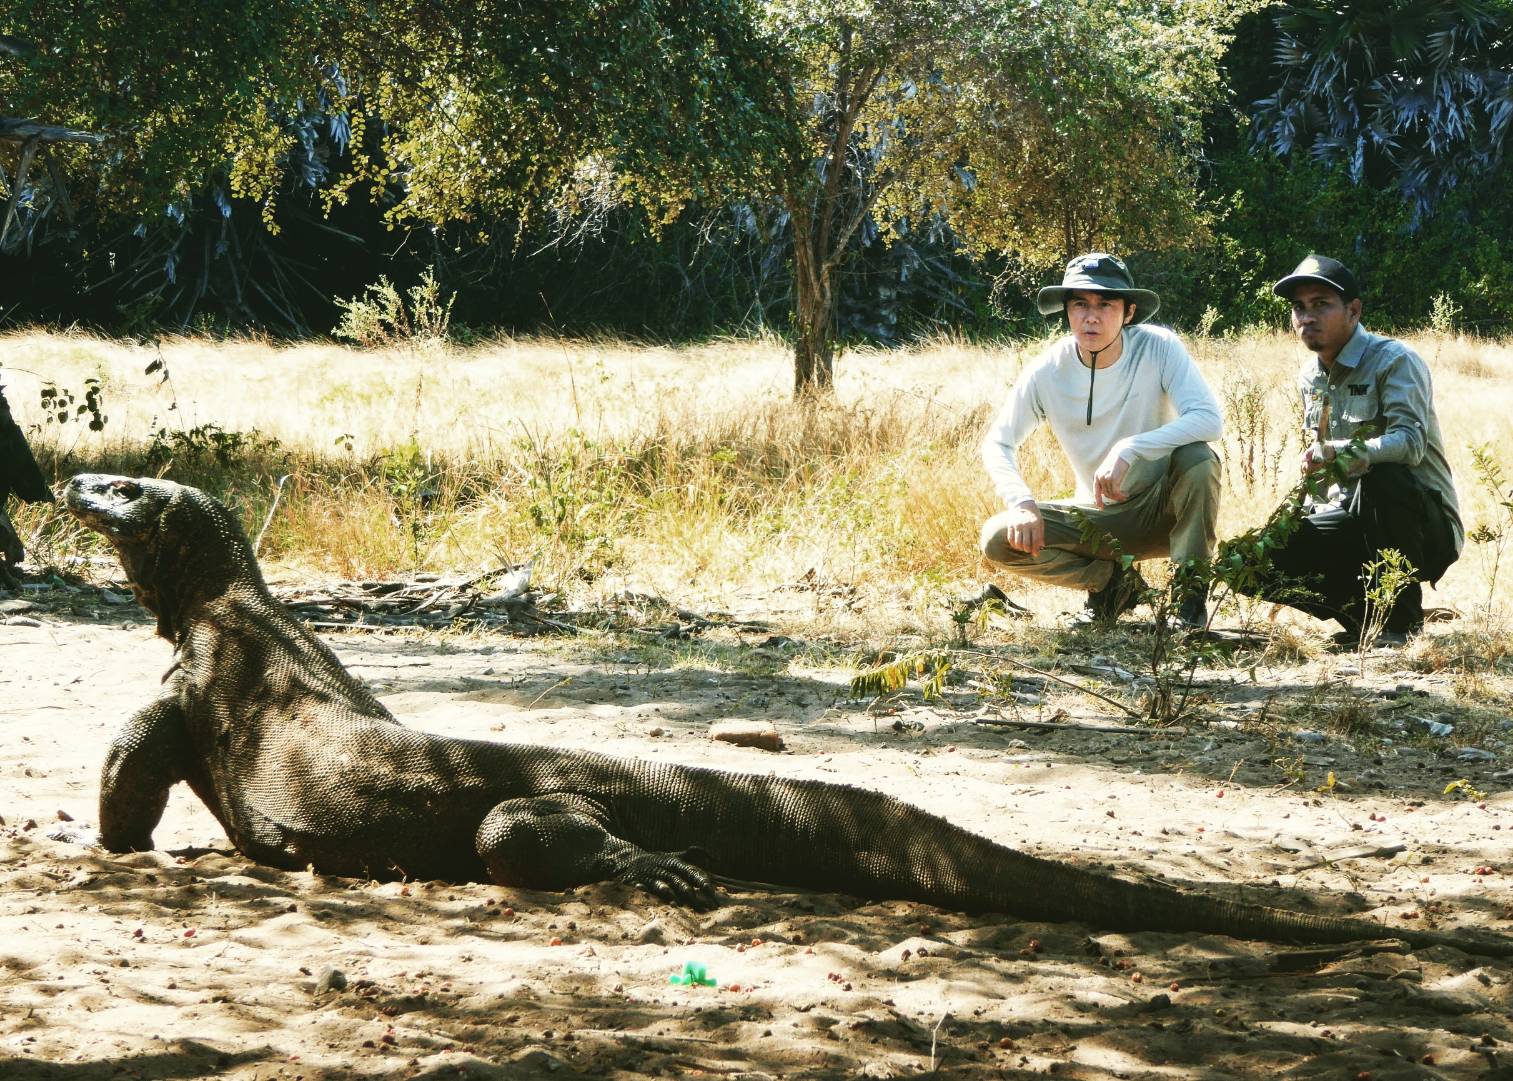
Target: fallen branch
[1006,722]
[278,494]
[1365,853]
[1074,685]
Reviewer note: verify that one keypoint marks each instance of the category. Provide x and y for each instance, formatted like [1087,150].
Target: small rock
[1475,754]
[760,734]
[21,621]
[1347,670]
[1308,735]
[332,979]
[16,607]
[1017,745]
[113,598]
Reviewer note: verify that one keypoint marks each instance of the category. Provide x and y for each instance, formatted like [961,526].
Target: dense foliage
[835,169]
[1417,94]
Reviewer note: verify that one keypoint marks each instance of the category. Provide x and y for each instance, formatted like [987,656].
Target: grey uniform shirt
[1382,385]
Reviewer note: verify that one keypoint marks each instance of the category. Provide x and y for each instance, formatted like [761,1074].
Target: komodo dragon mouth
[304,767]
[112,505]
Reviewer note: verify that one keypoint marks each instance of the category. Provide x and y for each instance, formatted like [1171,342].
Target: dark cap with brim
[1321,270]
[1097,272]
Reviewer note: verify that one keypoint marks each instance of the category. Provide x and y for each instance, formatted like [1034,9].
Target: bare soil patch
[193,962]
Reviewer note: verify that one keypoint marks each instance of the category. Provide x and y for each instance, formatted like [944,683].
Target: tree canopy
[1417,94]
[1037,128]
[477,107]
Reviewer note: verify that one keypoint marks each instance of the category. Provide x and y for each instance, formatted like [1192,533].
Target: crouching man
[1369,399]
[1134,418]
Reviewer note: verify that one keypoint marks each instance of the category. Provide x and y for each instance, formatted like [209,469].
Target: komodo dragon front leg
[147,757]
[552,842]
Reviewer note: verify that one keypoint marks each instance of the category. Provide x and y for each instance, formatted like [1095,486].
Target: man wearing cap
[1368,401]
[1134,417]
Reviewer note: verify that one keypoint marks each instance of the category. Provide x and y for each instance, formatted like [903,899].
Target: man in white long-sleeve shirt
[1134,417]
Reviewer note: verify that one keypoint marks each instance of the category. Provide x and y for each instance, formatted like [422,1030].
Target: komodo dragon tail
[839,837]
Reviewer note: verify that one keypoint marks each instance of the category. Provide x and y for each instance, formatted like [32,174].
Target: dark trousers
[1319,570]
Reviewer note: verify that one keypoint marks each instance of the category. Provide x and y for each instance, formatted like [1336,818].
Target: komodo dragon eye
[124,491]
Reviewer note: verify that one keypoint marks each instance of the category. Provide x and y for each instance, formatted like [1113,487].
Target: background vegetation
[834,172]
[687,471]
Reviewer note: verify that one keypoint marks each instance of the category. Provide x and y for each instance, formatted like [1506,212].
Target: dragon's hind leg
[551,842]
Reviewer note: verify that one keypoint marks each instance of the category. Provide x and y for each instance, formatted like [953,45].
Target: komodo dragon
[304,767]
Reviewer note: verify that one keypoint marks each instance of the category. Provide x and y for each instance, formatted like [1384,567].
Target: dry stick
[933,1033]
[1120,706]
[1005,722]
[560,683]
[277,495]
[1355,854]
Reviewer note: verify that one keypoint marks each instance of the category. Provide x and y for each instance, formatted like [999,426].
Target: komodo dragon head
[179,547]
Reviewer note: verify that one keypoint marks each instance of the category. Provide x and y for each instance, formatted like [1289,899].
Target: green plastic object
[693,975]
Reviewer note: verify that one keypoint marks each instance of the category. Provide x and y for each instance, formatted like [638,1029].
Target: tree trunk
[813,314]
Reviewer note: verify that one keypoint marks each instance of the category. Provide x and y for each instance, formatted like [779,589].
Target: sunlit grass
[685,471]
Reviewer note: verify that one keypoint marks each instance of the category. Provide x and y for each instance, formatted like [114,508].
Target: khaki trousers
[1174,513]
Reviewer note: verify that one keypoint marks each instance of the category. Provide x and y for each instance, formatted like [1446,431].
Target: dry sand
[191,961]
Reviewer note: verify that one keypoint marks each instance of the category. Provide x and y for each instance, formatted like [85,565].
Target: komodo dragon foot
[550,842]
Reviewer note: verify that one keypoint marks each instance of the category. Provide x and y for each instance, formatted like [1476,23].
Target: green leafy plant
[60,405]
[928,667]
[380,318]
[1241,565]
[205,444]
[1465,789]
[1494,534]
[1444,314]
[1383,580]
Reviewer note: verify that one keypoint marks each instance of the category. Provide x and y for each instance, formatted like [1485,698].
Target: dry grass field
[710,550]
[687,471]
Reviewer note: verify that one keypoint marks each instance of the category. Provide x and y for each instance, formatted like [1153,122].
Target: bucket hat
[1098,272]
[1324,271]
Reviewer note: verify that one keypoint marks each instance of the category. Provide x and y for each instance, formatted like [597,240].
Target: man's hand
[1315,457]
[1108,482]
[1319,455]
[1026,529]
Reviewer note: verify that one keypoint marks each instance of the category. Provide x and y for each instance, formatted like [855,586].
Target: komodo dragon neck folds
[304,767]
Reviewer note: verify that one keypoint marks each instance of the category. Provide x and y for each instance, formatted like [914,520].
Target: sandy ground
[193,962]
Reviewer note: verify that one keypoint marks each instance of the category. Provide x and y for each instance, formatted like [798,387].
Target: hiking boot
[1192,612]
[1124,591]
[994,599]
[1351,639]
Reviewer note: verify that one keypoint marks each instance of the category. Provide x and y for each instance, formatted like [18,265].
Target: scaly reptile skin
[304,767]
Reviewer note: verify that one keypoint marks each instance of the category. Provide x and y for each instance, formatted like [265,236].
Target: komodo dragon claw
[670,877]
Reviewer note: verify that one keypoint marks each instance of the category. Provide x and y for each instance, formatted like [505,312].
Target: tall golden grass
[687,471]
